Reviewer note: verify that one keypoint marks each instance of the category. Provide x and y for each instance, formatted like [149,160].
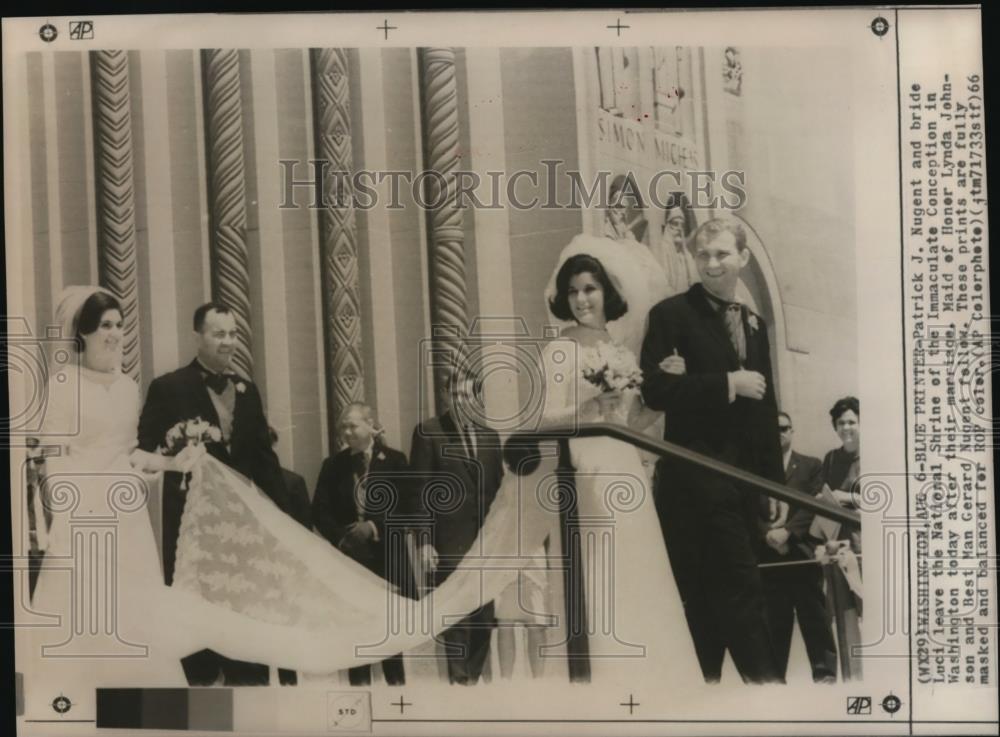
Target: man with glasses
[793,583]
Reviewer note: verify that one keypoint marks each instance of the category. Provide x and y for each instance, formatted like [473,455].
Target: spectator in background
[298,493]
[356,495]
[842,466]
[841,469]
[793,585]
[455,446]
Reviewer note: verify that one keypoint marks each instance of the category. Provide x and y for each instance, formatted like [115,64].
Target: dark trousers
[467,645]
[391,667]
[796,592]
[204,668]
[711,537]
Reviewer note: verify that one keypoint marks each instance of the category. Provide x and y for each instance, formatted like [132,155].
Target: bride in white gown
[99,572]
[635,619]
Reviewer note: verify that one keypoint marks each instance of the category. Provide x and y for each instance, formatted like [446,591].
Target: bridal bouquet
[611,368]
[189,432]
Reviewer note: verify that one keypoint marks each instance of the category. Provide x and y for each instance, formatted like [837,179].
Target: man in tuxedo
[724,407]
[796,591]
[346,514]
[209,389]
[455,447]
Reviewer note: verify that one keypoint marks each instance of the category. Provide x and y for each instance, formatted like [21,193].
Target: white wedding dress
[635,618]
[100,585]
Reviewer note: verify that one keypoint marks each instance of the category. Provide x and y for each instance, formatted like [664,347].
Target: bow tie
[216,382]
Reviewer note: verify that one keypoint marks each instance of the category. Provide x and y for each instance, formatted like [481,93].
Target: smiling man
[208,388]
[724,407]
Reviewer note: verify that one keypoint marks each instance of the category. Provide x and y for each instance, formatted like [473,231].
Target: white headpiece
[70,304]
[625,275]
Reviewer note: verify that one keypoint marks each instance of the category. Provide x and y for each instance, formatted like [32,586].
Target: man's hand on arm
[777,538]
[749,384]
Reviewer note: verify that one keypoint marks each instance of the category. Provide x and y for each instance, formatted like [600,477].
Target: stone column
[449,305]
[338,233]
[227,193]
[117,264]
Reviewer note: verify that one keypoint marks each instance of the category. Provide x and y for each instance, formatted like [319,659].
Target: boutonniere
[240,387]
[752,322]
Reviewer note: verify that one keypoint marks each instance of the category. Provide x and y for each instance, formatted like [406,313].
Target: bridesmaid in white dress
[101,571]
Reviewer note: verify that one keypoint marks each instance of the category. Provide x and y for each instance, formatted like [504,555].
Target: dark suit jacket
[804,473]
[298,498]
[699,415]
[182,395]
[335,507]
[439,455]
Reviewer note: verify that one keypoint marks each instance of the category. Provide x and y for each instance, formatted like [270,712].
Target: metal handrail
[663,448]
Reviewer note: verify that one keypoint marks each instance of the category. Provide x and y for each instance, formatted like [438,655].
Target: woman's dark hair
[91,313]
[843,405]
[614,305]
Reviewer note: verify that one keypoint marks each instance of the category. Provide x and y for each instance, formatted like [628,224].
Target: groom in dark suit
[208,388]
[724,407]
[454,446]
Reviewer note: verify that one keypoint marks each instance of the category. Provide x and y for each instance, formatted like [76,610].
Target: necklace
[110,370]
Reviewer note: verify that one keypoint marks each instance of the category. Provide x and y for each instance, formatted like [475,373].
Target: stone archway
[761,282]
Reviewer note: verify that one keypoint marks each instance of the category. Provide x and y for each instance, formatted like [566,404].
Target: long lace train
[254,585]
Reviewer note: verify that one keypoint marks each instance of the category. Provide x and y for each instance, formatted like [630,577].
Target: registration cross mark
[631,704]
[618,27]
[401,704]
[385,28]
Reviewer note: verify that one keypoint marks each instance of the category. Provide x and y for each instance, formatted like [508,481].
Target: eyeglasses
[784,428]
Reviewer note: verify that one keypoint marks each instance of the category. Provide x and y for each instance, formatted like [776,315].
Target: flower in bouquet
[611,368]
[189,432]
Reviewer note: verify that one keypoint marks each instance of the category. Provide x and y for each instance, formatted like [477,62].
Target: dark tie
[360,462]
[732,313]
[734,324]
[216,382]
